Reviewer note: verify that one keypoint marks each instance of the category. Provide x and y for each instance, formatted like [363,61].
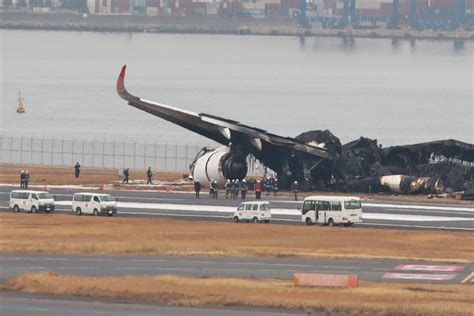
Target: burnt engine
[218,164]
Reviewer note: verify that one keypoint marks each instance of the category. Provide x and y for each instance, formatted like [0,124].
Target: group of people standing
[24,179]
[234,187]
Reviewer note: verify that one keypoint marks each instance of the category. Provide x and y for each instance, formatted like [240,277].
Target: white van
[255,211]
[31,201]
[94,203]
[331,210]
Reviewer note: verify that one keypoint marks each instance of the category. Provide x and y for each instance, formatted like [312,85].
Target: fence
[102,154]
[105,154]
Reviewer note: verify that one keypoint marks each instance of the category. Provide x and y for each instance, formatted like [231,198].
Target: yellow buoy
[20,108]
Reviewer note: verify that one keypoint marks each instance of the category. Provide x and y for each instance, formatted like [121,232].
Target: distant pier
[203,25]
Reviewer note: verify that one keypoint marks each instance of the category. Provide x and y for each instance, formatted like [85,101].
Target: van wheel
[255,220]
[33,209]
[309,221]
[78,211]
[236,219]
[330,222]
[96,212]
[16,209]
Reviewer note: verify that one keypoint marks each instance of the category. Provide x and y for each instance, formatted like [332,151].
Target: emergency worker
[275,186]
[149,175]
[232,189]
[214,189]
[197,187]
[77,169]
[227,188]
[295,188]
[236,188]
[126,174]
[22,179]
[243,189]
[258,189]
[27,179]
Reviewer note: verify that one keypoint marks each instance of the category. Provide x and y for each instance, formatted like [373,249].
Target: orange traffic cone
[168,189]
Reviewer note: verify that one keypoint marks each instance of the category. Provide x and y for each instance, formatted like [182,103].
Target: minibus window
[352,204]
[241,207]
[264,207]
[96,199]
[305,207]
[323,206]
[255,207]
[87,198]
[336,206]
[248,207]
[78,198]
[34,197]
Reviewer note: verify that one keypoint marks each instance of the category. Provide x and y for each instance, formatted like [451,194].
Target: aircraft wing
[219,129]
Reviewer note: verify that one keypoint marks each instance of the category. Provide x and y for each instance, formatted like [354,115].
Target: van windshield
[43,196]
[106,198]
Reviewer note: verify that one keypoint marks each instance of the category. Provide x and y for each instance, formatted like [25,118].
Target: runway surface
[284,210]
[184,205]
[244,267]
[22,304]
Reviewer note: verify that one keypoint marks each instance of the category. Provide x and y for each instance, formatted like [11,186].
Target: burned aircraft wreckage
[317,159]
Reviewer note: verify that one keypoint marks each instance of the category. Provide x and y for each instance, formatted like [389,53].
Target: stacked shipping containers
[370,10]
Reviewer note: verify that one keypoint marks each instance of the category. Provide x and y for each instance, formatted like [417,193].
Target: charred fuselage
[317,159]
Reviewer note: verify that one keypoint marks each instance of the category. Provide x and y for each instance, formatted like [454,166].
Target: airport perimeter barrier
[101,153]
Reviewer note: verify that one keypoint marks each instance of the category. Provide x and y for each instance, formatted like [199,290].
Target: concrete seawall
[199,25]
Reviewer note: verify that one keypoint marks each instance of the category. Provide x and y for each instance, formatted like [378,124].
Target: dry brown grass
[62,175]
[368,298]
[60,233]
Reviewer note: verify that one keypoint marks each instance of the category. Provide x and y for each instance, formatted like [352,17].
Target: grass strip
[60,233]
[369,298]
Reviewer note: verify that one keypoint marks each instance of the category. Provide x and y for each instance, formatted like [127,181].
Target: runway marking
[420,207]
[414,276]
[469,279]
[421,267]
[276,211]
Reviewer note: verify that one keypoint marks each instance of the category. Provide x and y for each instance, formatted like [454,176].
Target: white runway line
[413,276]
[276,211]
[432,268]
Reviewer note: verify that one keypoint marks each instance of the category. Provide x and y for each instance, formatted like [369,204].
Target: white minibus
[331,210]
[31,201]
[94,203]
[255,211]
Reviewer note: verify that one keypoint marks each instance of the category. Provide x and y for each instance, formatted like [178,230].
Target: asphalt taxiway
[376,213]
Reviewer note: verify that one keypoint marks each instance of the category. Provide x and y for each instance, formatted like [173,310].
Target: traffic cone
[101,187]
